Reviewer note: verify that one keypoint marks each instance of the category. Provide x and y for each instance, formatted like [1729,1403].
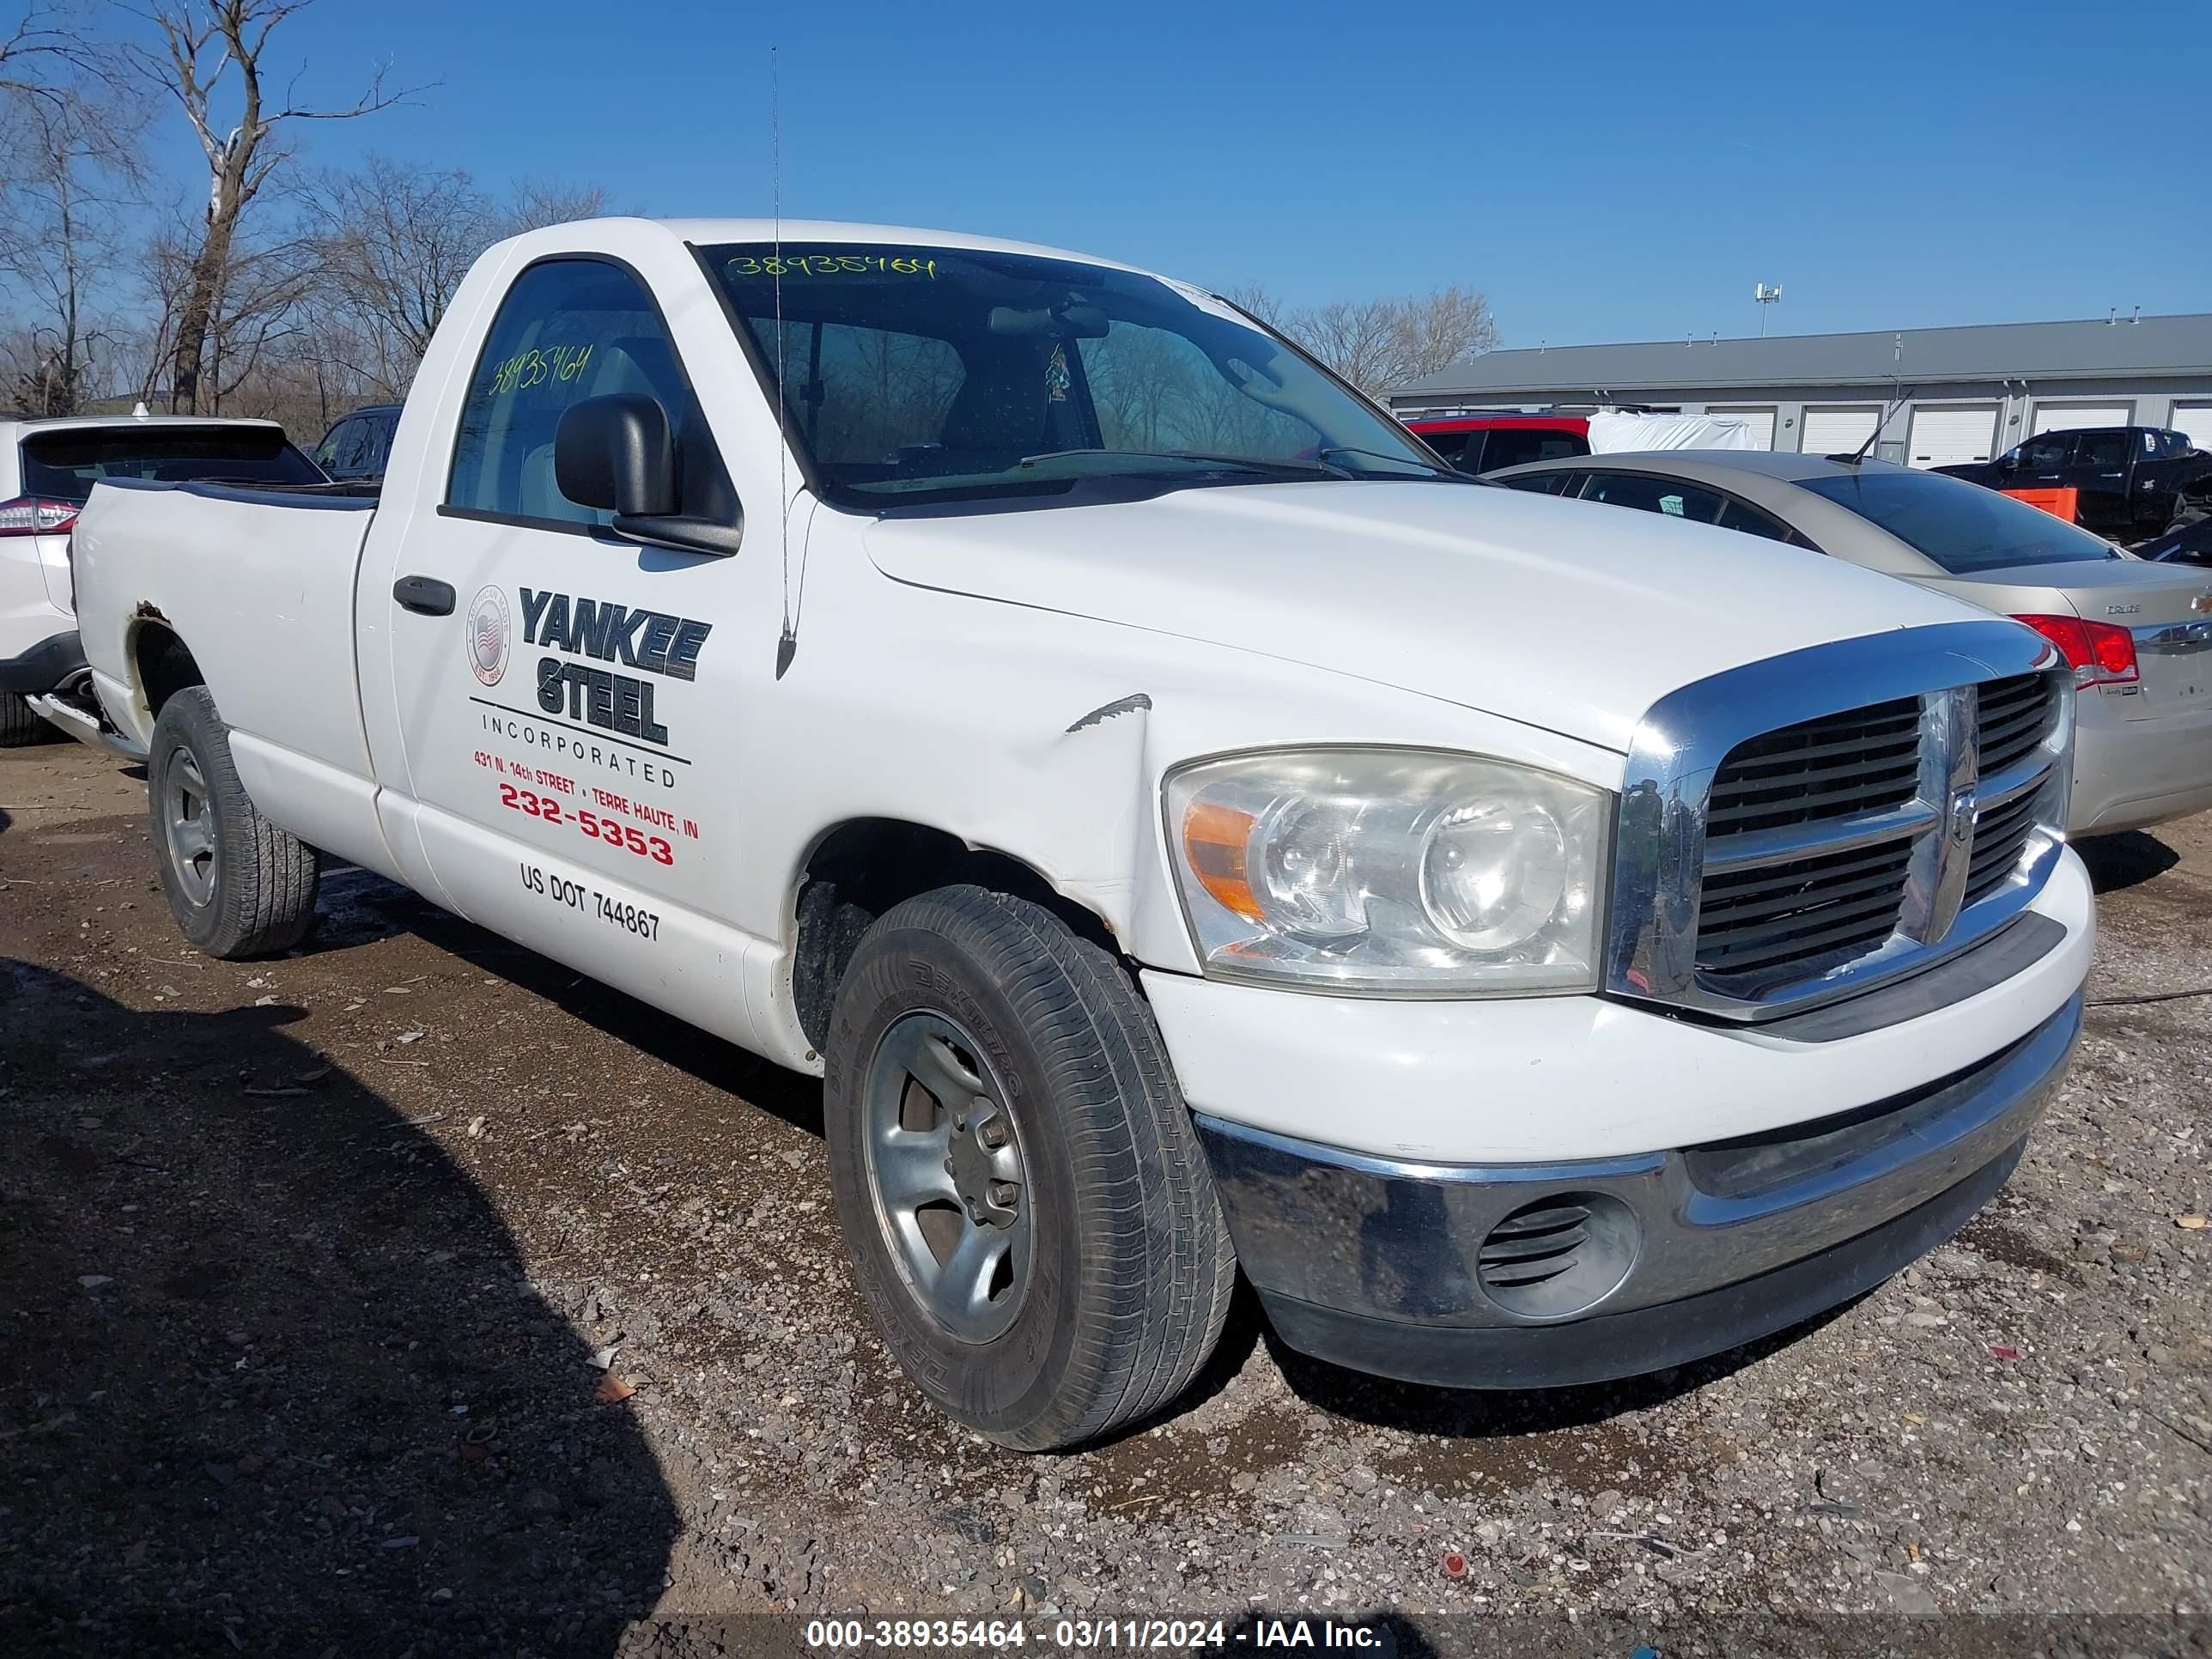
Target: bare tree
[206,47]
[68,171]
[69,167]
[1440,329]
[394,242]
[1261,301]
[1377,344]
[1355,337]
[533,203]
[40,56]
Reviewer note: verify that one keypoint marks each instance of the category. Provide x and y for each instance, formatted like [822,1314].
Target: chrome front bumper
[1379,1265]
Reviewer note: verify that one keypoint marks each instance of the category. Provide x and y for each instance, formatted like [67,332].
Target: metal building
[1968,394]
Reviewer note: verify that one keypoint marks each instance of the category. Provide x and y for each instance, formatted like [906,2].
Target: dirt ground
[410,1294]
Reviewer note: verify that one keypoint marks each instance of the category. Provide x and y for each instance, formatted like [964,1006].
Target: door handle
[425,595]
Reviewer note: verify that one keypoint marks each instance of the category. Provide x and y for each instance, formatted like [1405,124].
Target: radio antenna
[787,646]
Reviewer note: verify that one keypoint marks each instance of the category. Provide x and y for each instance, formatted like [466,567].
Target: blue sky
[1600,172]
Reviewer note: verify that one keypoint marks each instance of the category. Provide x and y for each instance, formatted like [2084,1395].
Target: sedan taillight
[2101,654]
[36,515]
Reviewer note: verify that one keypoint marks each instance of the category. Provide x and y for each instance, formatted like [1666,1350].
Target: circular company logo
[486,635]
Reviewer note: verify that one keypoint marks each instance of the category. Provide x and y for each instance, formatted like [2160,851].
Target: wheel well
[165,666]
[862,869]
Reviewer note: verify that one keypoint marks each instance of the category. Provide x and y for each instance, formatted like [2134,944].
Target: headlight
[1387,871]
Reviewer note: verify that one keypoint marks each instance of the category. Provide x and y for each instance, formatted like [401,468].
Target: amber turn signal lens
[1214,838]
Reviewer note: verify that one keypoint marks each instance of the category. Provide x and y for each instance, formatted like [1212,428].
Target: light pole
[1765,296]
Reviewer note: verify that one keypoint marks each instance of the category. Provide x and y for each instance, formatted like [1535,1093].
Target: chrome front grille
[1860,760]
[1755,921]
[2012,717]
[2001,835]
[1759,870]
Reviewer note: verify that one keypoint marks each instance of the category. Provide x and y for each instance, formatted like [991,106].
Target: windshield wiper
[1429,467]
[1242,462]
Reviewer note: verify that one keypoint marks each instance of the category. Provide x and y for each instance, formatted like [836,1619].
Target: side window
[2102,449]
[1508,447]
[334,445]
[358,455]
[2048,449]
[1740,515]
[568,329]
[1671,498]
[1452,445]
[378,450]
[1548,484]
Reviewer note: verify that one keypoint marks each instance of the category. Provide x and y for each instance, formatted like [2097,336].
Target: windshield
[919,374]
[1963,527]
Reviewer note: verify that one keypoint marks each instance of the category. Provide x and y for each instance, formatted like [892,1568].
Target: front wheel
[1031,1216]
[238,885]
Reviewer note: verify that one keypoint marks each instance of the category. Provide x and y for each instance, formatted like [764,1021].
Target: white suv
[47,468]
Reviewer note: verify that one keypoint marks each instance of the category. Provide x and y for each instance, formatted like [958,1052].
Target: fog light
[1559,1255]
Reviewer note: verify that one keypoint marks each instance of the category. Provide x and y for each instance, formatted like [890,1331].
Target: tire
[238,885]
[19,727]
[1115,1295]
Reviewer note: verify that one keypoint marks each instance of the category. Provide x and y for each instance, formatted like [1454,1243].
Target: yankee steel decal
[653,640]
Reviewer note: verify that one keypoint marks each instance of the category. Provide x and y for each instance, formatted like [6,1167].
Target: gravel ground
[410,1294]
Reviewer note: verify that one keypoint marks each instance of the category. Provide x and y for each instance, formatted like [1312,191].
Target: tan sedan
[2139,634]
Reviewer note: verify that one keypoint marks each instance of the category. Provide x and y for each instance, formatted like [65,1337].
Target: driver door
[556,682]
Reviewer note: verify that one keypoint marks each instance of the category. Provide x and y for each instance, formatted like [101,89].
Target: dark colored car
[2132,481]
[2191,544]
[1483,443]
[358,443]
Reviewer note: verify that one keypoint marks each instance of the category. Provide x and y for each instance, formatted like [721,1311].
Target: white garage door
[1837,431]
[2195,420]
[2065,417]
[1953,436]
[1758,422]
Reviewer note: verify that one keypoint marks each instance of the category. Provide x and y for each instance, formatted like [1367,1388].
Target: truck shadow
[274,1380]
[358,907]
[2118,862]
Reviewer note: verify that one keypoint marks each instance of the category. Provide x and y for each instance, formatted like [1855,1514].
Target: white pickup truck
[1187,828]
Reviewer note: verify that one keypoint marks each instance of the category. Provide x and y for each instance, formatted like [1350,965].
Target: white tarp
[1612,430]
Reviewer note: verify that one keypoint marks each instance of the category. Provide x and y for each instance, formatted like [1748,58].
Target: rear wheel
[19,727]
[1030,1217]
[238,885]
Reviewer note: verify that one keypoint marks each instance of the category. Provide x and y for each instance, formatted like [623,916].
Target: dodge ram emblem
[486,642]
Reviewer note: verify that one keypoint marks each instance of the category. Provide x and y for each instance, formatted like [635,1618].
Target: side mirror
[616,452]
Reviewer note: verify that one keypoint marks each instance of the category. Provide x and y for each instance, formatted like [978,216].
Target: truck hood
[1569,616]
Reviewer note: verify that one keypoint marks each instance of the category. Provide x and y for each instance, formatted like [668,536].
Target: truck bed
[260,582]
